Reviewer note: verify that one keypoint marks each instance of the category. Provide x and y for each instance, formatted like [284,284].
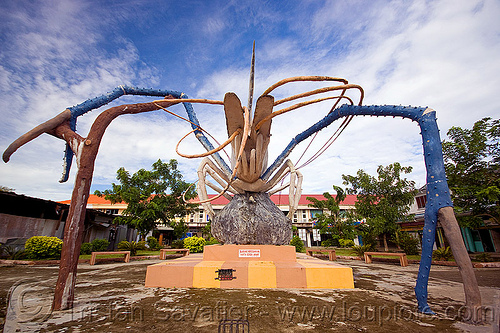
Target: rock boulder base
[252,218]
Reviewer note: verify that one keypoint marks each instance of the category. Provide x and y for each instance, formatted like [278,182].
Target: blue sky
[55,54]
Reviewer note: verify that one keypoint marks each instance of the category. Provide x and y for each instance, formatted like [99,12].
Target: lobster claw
[254,157]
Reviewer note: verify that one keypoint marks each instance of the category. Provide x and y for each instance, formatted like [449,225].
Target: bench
[163,252]
[95,254]
[403,260]
[331,253]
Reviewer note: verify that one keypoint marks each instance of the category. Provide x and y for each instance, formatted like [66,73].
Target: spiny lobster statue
[250,217]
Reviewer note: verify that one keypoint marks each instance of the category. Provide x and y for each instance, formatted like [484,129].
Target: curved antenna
[343,88]
[208,153]
[245,136]
[303,78]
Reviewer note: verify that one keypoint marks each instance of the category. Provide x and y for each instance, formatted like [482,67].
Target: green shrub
[153,243]
[442,253]
[194,244]
[86,248]
[484,257]
[346,242]
[133,247]
[406,242]
[178,244]
[212,241]
[100,245]
[331,242]
[141,245]
[299,245]
[124,245]
[43,247]
[11,252]
[359,250]
[369,238]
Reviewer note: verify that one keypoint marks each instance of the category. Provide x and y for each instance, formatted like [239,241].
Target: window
[200,216]
[421,201]
[304,216]
[112,211]
[303,234]
[295,218]
[316,235]
[315,212]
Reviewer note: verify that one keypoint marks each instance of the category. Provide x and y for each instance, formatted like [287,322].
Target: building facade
[22,217]
[303,218]
[101,224]
[485,238]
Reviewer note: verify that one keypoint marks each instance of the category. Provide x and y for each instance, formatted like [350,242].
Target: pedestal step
[249,266]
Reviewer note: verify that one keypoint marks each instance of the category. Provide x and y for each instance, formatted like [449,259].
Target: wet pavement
[111,297]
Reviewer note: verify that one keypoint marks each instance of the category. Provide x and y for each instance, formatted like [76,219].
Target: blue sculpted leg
[438,195]
[97,102]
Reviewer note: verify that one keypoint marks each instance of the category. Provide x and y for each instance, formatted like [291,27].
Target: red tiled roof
[95,200]
[282,199]
[278,199]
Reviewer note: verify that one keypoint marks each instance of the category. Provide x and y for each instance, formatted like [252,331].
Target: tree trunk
[452,232]
[86,152]
[397,241]
[386,247]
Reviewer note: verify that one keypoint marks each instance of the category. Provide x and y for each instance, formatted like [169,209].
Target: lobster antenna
[252,74]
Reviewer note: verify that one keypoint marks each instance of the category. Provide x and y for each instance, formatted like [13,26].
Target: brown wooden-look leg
[368,258]
[452,232]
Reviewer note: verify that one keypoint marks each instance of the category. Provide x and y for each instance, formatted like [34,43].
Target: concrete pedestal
[255,266]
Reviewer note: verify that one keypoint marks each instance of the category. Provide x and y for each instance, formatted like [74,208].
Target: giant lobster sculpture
[250,217]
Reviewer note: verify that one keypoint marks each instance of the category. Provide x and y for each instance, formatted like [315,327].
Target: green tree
[333,221]
[207,230]
[368,235]
[382,200]
[153,196]
[180,228]
[298,243]
[472,163]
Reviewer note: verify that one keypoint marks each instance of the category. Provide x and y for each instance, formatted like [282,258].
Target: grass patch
[348,252]
[148,253]
[344,252]
[88,256]
[410,257]
[340,251]
[118,255]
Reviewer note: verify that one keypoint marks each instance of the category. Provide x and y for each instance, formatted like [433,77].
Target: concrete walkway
[112,298]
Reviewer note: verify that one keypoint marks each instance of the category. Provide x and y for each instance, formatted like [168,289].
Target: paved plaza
[111,297]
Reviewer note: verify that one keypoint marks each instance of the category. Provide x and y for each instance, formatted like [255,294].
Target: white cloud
[53,62]
[214,25]
[419,53]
